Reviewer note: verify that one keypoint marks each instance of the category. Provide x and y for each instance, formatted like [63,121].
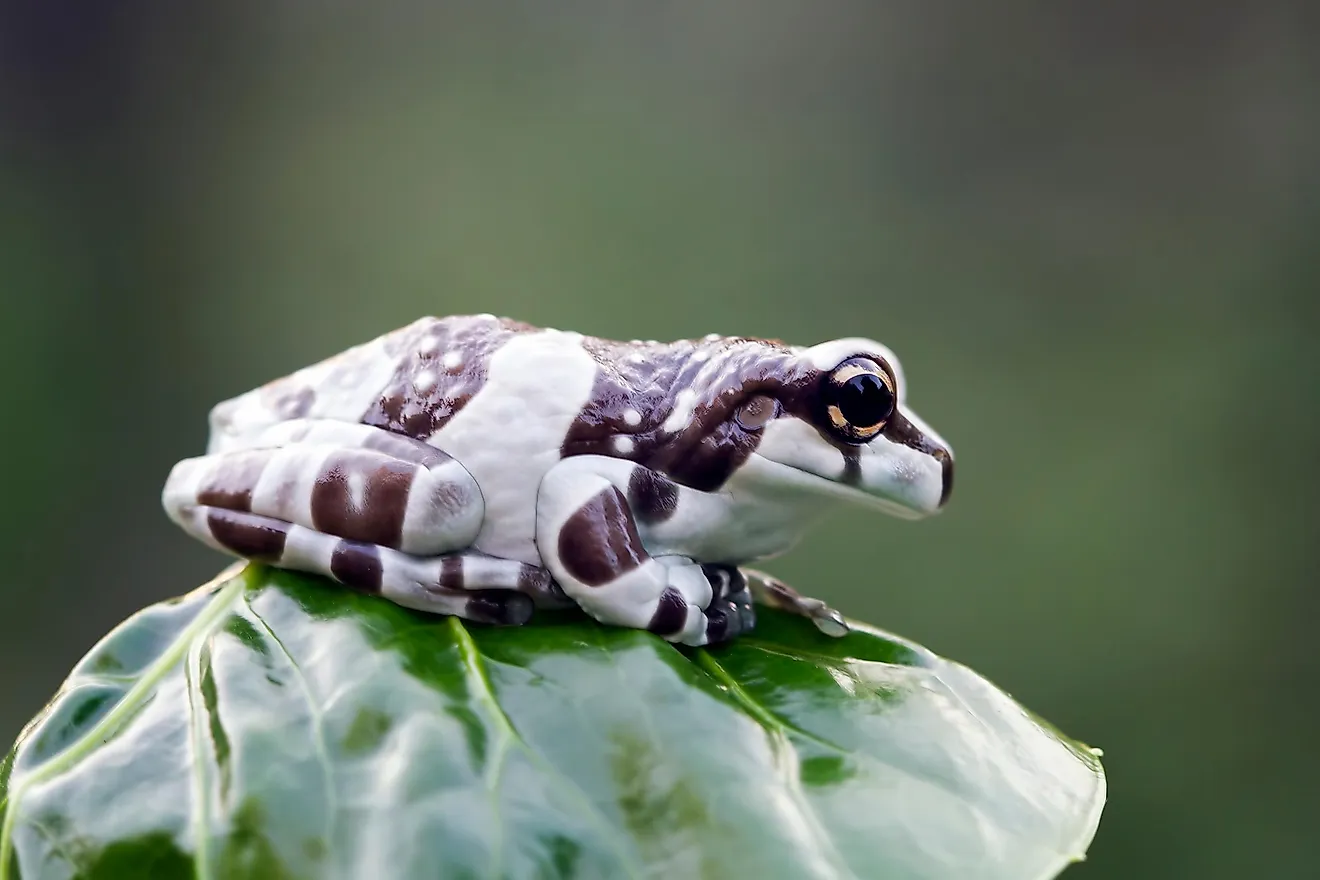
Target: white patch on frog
[428,347]
[444,511]
[348,385]
[343,387]
[511,431]
[711,337]
[453,360]
[636,357]
[700,355]
[797,444]
[425,381]
[904,475]
[180,493]
[284,490]
[828,355]
[355,481]
[623,444]
[632,417]
[308,550]
[681,414]
[895,478]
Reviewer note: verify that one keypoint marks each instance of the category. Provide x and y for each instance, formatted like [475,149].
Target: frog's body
[477,466]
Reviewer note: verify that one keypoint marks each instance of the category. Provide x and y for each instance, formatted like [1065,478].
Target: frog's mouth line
[815,483]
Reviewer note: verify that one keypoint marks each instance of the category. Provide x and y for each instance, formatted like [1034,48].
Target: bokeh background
[1089,229]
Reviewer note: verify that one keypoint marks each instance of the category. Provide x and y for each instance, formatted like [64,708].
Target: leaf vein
[475,666]
[174,653]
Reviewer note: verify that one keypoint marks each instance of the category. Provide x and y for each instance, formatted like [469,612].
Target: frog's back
[412,381]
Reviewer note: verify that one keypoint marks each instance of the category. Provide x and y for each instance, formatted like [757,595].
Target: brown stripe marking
[386,483]
[670,614]
[599,542]
[253,537]
[899,430]
[357,565]
[946,471]
[652,496]
[451,572]
[233,480]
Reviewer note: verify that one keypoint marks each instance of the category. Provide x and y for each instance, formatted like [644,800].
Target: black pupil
[865,400]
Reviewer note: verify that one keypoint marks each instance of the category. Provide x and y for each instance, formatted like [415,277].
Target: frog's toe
[830,622]
[726,581]
[726,620]
[499,607]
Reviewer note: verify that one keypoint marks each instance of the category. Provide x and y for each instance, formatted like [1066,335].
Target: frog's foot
[730,595]
[771,591]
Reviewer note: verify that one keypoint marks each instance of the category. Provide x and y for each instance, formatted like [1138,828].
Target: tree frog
[482,467]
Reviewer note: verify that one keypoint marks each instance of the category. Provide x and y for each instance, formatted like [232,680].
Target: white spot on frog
[453,360]
[428,347]
[623,444]
[700,355]
[357,488]
[425,381]
[632,417]
[682,411]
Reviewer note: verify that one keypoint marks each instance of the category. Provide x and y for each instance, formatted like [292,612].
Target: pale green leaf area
[271,725]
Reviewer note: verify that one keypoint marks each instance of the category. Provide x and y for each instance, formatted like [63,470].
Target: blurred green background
[1089,230]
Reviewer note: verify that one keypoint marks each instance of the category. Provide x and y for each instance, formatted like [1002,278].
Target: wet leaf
[273,725]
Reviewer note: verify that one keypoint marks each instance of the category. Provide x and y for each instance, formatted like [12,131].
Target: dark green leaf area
[274,725]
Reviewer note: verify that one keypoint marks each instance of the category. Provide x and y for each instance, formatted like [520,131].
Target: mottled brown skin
[724,374]
[419,412]
[752,373]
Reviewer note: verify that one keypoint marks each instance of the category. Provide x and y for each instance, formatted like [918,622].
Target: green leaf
[272,725]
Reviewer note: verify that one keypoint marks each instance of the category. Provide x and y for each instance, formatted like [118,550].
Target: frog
[485,468]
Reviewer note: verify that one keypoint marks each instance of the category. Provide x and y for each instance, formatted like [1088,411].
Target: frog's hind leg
[375,511]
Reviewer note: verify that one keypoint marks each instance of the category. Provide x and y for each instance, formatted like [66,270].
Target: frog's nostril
[945,458]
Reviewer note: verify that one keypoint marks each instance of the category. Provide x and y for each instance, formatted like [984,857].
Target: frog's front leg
[377,512]
[767,590]
[592,517]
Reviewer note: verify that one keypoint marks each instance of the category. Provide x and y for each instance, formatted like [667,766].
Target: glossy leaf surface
[272,725]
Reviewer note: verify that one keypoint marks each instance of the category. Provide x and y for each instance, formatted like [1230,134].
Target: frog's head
[837,424]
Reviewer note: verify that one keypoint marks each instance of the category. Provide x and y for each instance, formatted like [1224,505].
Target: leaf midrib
[227,587]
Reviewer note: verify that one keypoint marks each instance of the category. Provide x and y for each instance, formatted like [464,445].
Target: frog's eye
[756,412]
[858,397]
